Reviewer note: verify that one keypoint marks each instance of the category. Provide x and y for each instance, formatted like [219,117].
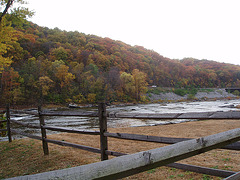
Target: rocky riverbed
[213,94]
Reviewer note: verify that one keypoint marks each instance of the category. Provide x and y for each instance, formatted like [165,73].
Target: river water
[91,123]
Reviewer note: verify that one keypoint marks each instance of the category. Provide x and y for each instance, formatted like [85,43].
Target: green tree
[59,54]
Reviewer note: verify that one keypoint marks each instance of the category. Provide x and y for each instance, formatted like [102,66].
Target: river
[91,123]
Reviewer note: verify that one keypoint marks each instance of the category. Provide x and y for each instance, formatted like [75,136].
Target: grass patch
[206,90]
[157,90]
[183,92]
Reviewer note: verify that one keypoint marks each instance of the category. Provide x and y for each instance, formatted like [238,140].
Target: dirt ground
[25,156]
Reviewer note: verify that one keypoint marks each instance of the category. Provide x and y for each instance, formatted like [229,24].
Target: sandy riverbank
[25,156]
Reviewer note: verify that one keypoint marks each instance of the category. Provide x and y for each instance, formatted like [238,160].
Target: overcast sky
[202,29]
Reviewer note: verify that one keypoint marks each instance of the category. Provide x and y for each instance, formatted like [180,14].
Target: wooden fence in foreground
[181,148]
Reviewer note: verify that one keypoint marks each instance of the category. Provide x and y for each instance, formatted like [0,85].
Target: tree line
[59,66]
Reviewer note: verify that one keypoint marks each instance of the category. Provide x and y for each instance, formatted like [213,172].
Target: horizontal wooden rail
[202,170]
[63,143]
[190,115]
[3,130]
[3,121]
[25,124]
[139,137]
[26,134]
[24,112]
[235,176]
[72,113]
[86,148]
[165,140]
[61,129]
[113,153]
[233,146]
[59,113]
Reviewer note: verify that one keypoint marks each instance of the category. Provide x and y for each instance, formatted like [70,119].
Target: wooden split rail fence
[185,147]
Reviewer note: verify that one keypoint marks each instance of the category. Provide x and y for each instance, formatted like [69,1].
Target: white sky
[202,29]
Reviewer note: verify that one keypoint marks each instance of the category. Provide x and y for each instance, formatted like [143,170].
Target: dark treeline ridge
[59,66]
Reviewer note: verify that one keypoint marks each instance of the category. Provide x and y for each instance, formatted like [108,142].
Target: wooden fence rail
[24,112]
[71,130]
[165,140]
[235,176]
[198,145]
[190,115]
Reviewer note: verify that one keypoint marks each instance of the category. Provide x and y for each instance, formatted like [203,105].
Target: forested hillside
[59,66]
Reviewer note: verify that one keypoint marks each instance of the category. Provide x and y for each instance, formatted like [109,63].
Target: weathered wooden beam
[3,121]
[71,113]
[190,115]
[3,130]
[61,129]
[8,123]
[43,131]
[202,170]
[25,124]
[124,166]
[60,113]
[24,112]
[233,146]
[139,137]
[113,153]
[103,128]
[235,176]
[165,140]
[63,143]
[26,134]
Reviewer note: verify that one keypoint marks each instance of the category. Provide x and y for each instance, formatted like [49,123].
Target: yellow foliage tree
[45,84]
[64,76]
[127,86]
[7,38]
[140,83]
[91,98]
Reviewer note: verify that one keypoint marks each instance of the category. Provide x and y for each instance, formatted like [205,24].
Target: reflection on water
[91,123]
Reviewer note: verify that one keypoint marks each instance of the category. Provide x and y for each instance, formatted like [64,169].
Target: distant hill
[60,66]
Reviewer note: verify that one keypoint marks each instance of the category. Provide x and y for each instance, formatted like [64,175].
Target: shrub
[191,97]
[180,92]
[3,126]
[236,93]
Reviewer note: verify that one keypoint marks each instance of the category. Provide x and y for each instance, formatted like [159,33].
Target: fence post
[8,124]
[103,128]
[43,131]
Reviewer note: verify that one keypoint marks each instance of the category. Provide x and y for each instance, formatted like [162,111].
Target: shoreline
[163,97]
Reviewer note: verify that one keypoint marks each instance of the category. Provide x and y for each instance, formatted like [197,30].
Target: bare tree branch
[9,3]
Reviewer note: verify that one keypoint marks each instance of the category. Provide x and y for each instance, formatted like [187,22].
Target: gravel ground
[217,93]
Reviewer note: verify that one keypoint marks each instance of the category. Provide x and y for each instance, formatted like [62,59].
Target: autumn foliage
[59,66]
